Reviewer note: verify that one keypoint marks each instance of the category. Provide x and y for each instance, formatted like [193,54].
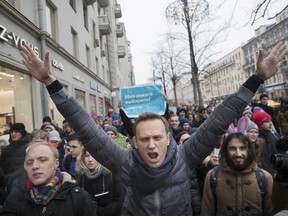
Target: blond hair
[35,144]
[81,160]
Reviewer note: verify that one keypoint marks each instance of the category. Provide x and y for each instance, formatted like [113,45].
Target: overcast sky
[145,24]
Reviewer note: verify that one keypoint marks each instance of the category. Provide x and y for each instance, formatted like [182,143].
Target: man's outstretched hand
[267,67]
[38,69]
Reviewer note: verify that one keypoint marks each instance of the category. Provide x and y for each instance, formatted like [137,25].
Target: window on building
[80,97]
[88,57]
[50,19]
[102,73]
[85,14]
[97,66]
[92,104]
[74,42]
[73,4]
[101,106]
[94,30]
[15,99]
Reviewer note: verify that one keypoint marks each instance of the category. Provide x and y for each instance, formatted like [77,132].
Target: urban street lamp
[188,12]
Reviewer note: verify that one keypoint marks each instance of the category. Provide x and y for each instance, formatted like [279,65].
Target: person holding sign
[154,176]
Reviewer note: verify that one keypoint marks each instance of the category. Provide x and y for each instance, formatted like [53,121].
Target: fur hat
[19,127]
[111,128]
[54,136]
[251,125]
[260,117]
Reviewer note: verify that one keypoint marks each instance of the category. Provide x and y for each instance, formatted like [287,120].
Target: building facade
[225,75]
[222,77]
[266,37]
[89,54]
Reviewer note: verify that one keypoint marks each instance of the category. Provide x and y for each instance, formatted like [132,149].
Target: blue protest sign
[140,99]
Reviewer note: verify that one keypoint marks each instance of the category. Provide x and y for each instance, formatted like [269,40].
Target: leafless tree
[262,9]
[166,64]
[195,17]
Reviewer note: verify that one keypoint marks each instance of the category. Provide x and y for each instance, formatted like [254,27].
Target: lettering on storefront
[57,65]
[15,40]
[78,77]
[94,86]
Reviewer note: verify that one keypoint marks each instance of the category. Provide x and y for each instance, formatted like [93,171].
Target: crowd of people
[196,161]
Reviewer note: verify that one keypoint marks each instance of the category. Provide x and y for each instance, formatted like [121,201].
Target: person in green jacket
[112,132]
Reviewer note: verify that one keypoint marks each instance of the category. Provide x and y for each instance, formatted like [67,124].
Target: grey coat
[173,197]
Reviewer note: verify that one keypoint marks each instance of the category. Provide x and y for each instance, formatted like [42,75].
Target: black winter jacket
[12,159]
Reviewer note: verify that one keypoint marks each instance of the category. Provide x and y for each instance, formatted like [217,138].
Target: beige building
[89,54]
[222,77]
[266,37]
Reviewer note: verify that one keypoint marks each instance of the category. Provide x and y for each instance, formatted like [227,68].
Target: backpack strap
[260,177]
[213,181]
[262,186]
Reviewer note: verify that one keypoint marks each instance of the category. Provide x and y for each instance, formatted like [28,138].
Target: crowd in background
[264,130]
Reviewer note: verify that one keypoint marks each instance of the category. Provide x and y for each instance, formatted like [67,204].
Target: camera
[280,160]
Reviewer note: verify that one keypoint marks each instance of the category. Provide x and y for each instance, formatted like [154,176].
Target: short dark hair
[72,136]
[201,110]
[151,116]
[262,96]
[46,119]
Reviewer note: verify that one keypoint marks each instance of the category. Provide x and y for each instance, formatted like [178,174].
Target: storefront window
[92,104]
[101,106]
[15,99]
[80,97]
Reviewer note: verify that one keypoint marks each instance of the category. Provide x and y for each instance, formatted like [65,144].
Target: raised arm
[39,69]
[95,140]
[202,142]
[267,67]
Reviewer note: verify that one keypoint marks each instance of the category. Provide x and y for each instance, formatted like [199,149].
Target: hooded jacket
[63,203]
[170,193]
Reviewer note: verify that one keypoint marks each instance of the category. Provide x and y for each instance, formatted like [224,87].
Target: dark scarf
[148,180]
[43,194]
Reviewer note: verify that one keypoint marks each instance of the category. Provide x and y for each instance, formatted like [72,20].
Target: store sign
[15,40]
[94,86]
[78,77]
[57,65]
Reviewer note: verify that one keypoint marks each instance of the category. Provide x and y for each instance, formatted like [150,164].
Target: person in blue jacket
[154,176]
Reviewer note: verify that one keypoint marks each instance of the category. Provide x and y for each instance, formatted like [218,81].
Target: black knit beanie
[19,127]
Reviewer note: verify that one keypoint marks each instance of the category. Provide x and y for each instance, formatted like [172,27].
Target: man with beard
[241,187]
